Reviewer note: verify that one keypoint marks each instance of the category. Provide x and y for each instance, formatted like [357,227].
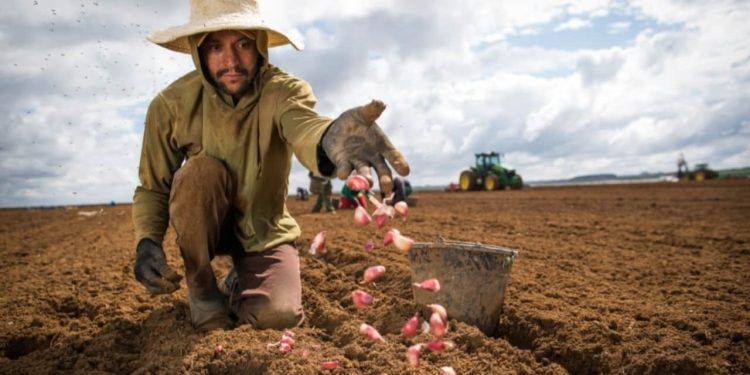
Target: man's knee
[202,168]
[267,314]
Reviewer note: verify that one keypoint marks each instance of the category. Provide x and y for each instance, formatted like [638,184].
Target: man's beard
[244,88]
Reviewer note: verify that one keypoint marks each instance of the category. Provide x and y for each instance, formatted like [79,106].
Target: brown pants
[268,291]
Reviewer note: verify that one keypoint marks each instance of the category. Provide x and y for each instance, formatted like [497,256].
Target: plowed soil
[635,279]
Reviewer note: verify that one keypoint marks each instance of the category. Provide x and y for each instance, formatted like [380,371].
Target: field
[634,279]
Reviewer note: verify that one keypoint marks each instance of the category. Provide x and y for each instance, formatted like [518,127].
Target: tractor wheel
[516,183]
[468,181]
[491,182]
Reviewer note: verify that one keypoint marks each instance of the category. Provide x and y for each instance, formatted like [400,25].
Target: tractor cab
[485,161]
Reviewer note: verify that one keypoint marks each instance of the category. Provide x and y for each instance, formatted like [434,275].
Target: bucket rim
[476,246]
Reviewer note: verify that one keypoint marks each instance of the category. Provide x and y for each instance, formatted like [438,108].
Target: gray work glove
[355,142]
[152,271]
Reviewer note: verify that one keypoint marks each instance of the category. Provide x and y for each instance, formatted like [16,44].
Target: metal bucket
[472,279]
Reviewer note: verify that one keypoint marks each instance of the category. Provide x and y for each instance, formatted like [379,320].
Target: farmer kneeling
[217,151]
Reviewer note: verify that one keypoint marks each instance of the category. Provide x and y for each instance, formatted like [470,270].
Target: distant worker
[401,190]
[302,194]
[349,198]
[682,167]
[323,188]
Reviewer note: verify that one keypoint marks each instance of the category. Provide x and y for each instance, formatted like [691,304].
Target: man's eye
[244,44]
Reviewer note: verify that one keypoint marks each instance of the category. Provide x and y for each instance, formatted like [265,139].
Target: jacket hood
[261,43]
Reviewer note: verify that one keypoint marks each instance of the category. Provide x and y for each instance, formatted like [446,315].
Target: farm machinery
[489,174]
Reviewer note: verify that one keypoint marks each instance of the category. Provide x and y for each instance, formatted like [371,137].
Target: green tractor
[489,175]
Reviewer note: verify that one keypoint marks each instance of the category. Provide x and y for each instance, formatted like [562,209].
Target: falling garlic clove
[410,327]
[318,244]
[447,370]
[381,218]
[440,310]
[370,332]
[389,236]
[430,285]
[218,349]
[361,299]
[403,243]
[372,273]
[357,183]
[412,354]
[437,325]
[402,208]
[361,217]
[440,346]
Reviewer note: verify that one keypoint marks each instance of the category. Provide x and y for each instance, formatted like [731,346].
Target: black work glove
[355,142]
[152,271]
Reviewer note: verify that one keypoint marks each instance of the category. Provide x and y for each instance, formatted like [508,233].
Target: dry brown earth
[636,279]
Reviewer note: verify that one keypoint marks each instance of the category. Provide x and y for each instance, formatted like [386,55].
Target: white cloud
[618,27]
[574,24]
[73,99]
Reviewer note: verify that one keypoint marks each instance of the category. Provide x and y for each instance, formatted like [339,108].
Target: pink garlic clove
[285,348]
[357,183]
[410,328]
[380,219]
[403,243]
[318,244]
[389,236]
[370,332]
[369,245]
[402,208]
[373,273]
[447,370]
[287,340]
[425,327]
[361,217]
[437,325]
[430,285]
[412,354]
[440,310]
[361,299]
[218,349]
[329,365]
[440,346]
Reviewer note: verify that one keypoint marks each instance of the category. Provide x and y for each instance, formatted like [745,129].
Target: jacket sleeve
[159,160]
[300,125]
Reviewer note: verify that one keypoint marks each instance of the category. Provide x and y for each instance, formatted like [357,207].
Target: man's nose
[231,59]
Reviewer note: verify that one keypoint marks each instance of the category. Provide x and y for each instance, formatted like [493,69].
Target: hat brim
[176,38]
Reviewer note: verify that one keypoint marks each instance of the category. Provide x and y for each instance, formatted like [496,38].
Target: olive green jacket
[255,138]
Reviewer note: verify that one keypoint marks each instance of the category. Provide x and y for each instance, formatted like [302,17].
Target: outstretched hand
[355,142]
[152,271]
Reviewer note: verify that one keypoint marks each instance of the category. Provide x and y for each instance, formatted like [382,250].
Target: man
[401,191]
[350,199]
[216,156]
[322,187]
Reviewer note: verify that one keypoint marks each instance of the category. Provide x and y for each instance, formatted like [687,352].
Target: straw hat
[214,15]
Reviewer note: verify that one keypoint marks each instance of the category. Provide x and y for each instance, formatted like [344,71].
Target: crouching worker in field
[217,151]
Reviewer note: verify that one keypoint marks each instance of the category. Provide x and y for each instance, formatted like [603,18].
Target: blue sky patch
[605,32]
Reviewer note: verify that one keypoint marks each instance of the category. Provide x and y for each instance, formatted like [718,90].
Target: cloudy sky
[562,87]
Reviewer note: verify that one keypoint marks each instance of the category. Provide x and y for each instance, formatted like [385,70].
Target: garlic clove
[430,285]
[318,244]
[373,273]
[361,299]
